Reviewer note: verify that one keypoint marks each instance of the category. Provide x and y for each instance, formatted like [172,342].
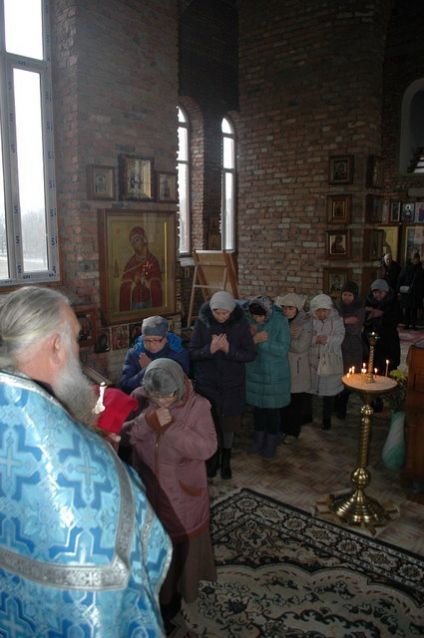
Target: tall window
[183,169]
[411,156]
[228,204]
[28,224]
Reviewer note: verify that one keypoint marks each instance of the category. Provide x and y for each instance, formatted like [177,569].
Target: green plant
[396,398]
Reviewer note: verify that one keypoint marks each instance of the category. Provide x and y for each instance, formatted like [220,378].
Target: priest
[81,551]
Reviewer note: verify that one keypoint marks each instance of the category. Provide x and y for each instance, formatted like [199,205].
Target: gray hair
[28,316]
[164,377]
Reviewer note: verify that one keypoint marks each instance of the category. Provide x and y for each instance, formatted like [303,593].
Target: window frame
[9,62]
[224,172]
[187,164]
[406,134]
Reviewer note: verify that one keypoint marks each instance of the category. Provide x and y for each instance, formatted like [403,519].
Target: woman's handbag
[330,363]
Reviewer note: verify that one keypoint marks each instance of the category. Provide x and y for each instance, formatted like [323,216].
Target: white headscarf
[321,301]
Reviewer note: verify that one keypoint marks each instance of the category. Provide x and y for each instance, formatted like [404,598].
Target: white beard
[75,391]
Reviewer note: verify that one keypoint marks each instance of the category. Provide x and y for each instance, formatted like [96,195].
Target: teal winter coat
[268,376]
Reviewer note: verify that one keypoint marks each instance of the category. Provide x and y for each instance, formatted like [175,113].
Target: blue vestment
[81,552]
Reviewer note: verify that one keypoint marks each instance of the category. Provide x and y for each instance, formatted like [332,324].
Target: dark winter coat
[220,377]
[388,344]
[391,273]
[268,377]
[352,345]
[412,275]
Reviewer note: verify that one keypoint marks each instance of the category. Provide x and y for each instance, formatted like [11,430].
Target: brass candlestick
[358,508]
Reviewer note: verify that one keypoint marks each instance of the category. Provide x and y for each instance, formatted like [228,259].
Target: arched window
[183,170]
[228,203]
[412,130]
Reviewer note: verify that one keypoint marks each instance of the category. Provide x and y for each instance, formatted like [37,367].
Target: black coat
[412,275]
[388,344]
[220,377]
[391,273]
[352,346]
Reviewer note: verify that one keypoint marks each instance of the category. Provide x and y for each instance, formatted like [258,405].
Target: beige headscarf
[291,299]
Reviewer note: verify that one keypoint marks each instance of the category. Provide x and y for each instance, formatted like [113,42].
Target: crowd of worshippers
[78,518]
[273,355]
[408,283]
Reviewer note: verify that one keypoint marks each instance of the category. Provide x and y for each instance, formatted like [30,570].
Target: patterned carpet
[283,573]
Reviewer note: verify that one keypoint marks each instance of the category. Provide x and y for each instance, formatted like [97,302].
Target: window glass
[4,266]
[24,27]
[228,152]
[229,212]
[182,144]
[183,172]
[30,169]
[28,219]
[226,126]
[228,199]
[184,246]
[181,116]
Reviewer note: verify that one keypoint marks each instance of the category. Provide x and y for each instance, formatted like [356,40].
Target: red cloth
[118,406]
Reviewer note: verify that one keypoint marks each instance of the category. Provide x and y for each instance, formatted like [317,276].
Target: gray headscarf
[164,377]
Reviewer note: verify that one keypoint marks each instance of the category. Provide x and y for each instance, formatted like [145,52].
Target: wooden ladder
[213,270]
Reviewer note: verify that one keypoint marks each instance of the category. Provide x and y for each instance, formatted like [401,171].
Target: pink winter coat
[171,460]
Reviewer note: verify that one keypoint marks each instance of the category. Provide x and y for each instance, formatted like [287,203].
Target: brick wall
[316,79]
[115,91]
[404,64]
[310,87]
[208,75]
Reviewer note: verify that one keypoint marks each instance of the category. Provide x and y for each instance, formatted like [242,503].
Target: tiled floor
[308,469]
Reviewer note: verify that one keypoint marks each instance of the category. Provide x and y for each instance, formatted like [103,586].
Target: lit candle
[353,369]
[375,371]
[387,367]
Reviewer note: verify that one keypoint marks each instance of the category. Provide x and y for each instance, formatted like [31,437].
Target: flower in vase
[396,398]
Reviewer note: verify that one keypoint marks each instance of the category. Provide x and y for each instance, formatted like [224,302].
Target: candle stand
[358,508]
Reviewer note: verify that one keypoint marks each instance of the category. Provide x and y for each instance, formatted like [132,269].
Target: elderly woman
[299,411]
[325,355]
[382,315]
[220,347]
[155,342]
[352,311]
[171,438]
[268,376]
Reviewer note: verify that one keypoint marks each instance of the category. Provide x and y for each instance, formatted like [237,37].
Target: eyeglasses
[153,340]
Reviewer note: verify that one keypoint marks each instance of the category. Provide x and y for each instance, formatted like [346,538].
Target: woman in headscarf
[325,355]
[382,315]
[171,438]
[220,347]
[299,411]
[268,376]
[352,311]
